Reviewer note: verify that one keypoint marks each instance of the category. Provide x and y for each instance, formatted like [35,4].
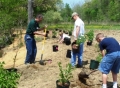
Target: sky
[73,2]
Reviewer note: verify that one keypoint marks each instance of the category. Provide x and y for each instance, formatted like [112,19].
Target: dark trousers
[31,49]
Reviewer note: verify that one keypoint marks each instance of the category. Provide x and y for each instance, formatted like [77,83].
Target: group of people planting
[109,47]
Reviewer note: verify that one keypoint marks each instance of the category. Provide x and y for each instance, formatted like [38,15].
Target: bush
[90,35]
[8,79]
[65,74]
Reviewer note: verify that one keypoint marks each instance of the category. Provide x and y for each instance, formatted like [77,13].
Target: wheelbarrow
[42,62]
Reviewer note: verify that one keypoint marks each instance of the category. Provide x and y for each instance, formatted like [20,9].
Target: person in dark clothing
[32,29]
[111,58]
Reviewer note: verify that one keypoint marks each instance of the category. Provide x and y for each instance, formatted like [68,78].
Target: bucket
[89,43]
[68,55]
[94,64]
[55,48]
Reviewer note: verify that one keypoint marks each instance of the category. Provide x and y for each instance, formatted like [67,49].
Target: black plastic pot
[89,43]
[68,55]
[94,64]
[66,85]
[56,29]
[53,36]
[67,41]
[60,30]
[12,69]
[75,49]
[47,32]
[55,48]
[46,35]
[70,33]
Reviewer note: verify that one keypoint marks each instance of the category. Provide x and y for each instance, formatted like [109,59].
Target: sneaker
[79,66]
[27,64]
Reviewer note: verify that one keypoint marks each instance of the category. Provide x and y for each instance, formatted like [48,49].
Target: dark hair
[39,16]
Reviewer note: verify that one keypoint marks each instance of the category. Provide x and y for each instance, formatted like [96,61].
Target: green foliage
[101,10]
[12,14]
[8,79]
[81,39]
[90,35]
[66,13]
[65,74]
[41,6]
[54,33]
[52,17]
[99,57]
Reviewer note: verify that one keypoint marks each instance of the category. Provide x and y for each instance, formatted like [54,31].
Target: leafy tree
[43,6]
[52,17]
[66,13]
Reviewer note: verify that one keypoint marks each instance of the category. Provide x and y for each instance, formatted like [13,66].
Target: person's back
[110,44]
[65,36]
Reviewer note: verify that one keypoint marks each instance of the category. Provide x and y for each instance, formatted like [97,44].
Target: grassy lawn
[69,26]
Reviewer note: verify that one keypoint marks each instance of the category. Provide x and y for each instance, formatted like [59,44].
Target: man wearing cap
[32,29]
[78,31]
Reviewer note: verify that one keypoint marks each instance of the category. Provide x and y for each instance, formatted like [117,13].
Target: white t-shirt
[79,23]
[65,35]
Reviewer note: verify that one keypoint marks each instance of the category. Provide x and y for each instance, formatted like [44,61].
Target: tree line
[14,13]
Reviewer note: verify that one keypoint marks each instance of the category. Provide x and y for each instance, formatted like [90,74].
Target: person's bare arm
[40,29]
[43,28]
[61,41]
[103,53]
[77,31]
[39,33]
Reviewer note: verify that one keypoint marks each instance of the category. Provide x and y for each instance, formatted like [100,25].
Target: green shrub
[81,39]
[8,79]
[99,57]
[65,74]
[54,33]
[90,35]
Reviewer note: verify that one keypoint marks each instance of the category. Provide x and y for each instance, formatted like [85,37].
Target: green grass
[69,26]
[103,27]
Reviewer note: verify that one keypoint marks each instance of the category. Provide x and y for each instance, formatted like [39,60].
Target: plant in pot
[81,39]
[70,32]
[90,36]
[95,63]
[75,45]
[65,75]
[54,33]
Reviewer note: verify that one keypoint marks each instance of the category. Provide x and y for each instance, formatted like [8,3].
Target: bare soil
[45,76]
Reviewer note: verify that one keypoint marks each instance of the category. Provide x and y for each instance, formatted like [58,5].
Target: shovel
[42,62]
[83,73]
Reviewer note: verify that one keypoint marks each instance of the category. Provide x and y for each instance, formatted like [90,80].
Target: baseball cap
[74,13]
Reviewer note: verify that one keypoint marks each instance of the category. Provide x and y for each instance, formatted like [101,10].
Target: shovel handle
[92,72]
[41,56]
[43,43]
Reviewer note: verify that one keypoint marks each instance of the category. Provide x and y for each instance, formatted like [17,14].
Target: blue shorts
[110,62]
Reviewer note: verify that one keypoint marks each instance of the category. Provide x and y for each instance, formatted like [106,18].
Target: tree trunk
[30,10]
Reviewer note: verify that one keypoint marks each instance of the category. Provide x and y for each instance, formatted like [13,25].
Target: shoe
[27,65]
[79,66]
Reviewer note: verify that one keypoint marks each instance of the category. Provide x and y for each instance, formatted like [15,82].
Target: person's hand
[43,34]
[45,26]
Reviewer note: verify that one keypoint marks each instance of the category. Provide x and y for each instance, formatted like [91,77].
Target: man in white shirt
[78,31]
